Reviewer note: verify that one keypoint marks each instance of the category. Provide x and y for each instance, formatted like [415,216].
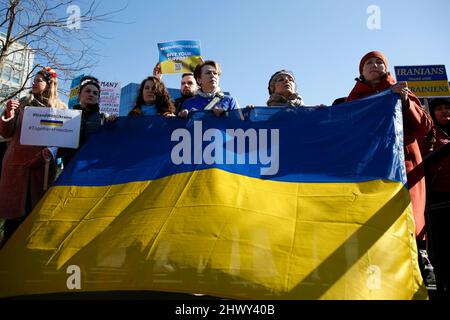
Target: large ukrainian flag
[334,222]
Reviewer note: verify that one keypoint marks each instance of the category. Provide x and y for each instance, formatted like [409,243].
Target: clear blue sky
[321,41]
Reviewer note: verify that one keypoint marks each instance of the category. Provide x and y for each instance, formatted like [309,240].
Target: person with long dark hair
[153,99]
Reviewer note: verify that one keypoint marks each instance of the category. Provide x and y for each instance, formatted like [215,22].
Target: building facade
[14,71]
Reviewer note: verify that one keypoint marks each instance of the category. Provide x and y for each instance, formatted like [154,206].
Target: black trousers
[439,219]
[11,225]
[440,248]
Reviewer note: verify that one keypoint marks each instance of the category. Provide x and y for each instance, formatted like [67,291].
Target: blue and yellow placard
[425,81]
[179,56]
[51,123]
[74,87]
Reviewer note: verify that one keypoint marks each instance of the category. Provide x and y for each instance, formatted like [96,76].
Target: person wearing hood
[23,180]
[283,90]
[438,137]
[374,77]
[209,96]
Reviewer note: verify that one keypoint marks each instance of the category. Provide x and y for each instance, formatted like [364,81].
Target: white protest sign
[51,127]
[110,97]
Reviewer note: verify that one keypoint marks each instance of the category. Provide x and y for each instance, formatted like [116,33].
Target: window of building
[6,74]
[4,91]
[18,57]
[10,57]
[16,76]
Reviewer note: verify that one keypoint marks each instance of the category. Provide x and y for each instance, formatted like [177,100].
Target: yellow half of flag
[221,235]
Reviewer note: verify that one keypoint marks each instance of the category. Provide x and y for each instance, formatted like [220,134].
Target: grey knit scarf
[208,94]
[294,100]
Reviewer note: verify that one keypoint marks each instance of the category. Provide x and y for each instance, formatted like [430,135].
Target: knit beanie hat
[372,54]
[437,102]
[274,77]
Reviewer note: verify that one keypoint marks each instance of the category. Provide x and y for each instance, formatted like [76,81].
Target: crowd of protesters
[22,176]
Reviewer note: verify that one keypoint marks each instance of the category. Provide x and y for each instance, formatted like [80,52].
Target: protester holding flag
[91,118]
[209,96]
[22,182]
[374,77]
[153,99]
[283,90]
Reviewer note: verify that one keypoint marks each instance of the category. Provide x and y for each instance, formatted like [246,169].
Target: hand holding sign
[157,71]
[11,107]
[43,126]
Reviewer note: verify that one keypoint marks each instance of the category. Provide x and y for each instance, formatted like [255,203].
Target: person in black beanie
[91,118]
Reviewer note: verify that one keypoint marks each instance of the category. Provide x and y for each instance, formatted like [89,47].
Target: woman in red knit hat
[374,77]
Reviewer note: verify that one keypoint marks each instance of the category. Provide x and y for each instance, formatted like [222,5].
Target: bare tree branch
[43,29]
